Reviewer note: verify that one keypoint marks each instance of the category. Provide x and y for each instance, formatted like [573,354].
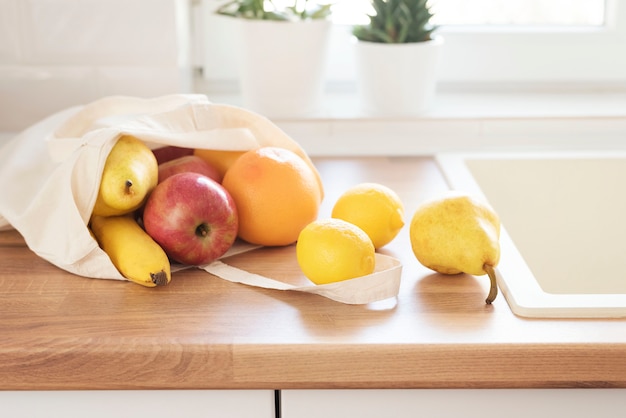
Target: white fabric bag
[50,175]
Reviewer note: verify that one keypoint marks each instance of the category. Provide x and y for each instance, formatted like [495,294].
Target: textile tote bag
[50,175]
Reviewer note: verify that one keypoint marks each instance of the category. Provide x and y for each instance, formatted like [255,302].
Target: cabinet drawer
[453,403]
[138,403]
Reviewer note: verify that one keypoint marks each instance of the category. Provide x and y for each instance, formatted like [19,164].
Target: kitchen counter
[61,331]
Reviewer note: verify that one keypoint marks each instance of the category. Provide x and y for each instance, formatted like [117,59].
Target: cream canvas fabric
[50,175]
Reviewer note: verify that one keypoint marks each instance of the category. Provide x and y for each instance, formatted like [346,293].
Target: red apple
[170,152]
[192,217]
[188,163]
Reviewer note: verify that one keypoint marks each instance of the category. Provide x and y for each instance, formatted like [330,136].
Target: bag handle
[384,283]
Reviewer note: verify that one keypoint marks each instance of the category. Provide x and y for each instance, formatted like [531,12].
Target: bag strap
[384,283]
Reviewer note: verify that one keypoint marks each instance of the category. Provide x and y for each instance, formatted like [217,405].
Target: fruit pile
[450,234]
[189,206]
[364,218]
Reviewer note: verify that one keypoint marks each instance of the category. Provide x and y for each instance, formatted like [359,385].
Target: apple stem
[493,291]
[202,230]
[128,184]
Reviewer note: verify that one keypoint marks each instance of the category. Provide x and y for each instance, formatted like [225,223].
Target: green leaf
[268,10]
[397,21]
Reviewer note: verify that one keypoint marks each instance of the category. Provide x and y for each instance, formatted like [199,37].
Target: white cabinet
[454,403]
[138,404]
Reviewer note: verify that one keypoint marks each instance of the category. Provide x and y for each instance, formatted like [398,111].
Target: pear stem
[493,291]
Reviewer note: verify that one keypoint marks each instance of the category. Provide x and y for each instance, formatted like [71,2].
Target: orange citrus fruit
[221,160]
[276,193]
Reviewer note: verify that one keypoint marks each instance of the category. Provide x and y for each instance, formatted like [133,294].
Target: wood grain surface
[61,331]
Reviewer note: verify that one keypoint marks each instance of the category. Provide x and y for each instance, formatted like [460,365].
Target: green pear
[130,173]
[457,233]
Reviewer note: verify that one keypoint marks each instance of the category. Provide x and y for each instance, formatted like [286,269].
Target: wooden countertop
[60,331]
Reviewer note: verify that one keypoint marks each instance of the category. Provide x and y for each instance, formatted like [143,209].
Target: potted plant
[397,57]
[282,54]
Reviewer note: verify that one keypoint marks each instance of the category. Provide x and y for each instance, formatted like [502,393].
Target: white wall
[59,53]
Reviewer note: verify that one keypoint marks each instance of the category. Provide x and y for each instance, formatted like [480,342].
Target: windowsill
[464,104]
[464,121]
[460,121]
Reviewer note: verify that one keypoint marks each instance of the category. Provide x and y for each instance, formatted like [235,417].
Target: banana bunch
[130,173]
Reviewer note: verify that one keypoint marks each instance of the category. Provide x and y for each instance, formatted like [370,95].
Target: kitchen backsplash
[60,53]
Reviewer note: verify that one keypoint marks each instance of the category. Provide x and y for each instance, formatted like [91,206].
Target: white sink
[563,228]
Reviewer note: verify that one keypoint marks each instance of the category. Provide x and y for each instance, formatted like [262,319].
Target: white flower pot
[282,66]
[397,79]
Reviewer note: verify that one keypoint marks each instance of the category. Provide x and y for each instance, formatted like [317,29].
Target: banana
[130,173]
[133,252]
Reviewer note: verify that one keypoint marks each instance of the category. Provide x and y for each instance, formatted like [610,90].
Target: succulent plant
[397,21]
[267,10]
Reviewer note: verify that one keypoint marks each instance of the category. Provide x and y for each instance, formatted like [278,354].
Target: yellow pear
[457,233]
[129,175]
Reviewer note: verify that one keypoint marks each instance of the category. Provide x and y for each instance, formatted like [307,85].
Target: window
[579,43]
[492,12]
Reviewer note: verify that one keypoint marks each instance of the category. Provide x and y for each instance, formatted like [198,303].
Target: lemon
[332,250]
[374,208]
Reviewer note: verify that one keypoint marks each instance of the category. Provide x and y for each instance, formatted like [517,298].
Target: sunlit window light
[492,12]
